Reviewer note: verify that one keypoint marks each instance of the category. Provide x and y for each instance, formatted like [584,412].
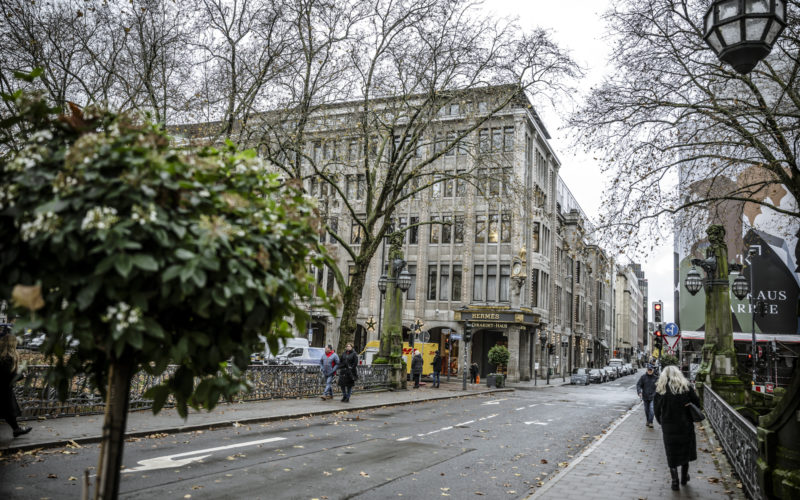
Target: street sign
[672,330]
[424,337]
[672,341]
[454,336]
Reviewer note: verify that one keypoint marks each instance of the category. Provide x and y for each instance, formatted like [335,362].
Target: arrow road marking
[169,461]
[495,402]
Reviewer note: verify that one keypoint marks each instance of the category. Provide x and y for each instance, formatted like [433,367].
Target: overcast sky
[578,26]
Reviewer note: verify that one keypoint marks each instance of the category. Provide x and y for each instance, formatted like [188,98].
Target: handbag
[695,414]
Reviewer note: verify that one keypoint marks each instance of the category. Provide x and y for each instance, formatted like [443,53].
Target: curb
[588,451]
[229,423]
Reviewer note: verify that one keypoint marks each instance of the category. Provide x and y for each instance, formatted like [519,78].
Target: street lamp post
[397,283]
[382,281]
[719,355]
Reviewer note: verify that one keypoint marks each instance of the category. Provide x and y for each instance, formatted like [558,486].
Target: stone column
[391,347]
[514,353]
[719,356]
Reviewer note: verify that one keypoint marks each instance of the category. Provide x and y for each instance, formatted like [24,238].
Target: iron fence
[739,439]
[37,398]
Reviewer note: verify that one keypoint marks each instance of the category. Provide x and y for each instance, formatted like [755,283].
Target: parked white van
[283,351]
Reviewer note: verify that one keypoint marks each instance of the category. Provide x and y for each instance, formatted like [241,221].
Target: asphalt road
[497,447]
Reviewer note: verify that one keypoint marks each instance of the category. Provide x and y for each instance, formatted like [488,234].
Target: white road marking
[487,418]
[631,387]
[405,438]
[495,402]
[168,461]
[520,408]
[465,423]
[534,404]
[536,423]
[549,404]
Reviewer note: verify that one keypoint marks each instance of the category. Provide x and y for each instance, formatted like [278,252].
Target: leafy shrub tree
[148,255]
[498,356]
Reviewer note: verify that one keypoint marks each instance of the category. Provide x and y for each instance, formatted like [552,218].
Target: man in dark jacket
[416,368]
[646,387]
[437,368]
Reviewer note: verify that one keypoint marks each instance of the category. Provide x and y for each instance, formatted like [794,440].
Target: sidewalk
[87,428]
[629,462]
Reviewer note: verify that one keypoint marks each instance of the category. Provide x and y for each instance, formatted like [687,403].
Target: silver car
[580,376]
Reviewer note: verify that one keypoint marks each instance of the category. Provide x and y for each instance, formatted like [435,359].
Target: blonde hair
[672,377]
[8,348]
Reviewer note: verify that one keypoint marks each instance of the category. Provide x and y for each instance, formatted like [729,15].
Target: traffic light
[659,339]
[550,349]
[468,333]
[657,309]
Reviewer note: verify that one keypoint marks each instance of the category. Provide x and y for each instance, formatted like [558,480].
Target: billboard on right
[774,237]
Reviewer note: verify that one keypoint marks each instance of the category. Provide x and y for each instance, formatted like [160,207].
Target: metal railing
[37,398]
[739,439]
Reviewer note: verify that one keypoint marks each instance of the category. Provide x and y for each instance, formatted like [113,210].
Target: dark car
[595,376]
[580,376]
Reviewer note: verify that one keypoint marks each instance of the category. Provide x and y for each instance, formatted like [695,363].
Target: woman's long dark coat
[678,429]
[348,366]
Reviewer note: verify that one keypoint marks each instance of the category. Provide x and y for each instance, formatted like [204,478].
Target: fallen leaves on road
[72,444]
[327,473]
[363,474]
[713,480]
[479,493]
[52,476]
[157,435]
[72,478]
[543,461]
[563,464]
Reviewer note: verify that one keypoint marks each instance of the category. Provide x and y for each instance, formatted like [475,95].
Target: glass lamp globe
[742,32]
[741,287]
[693,281]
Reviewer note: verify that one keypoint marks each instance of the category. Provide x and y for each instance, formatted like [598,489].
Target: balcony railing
[739,439]
[37,398]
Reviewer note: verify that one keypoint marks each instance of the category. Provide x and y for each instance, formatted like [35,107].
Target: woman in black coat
[348,372]
[673,394]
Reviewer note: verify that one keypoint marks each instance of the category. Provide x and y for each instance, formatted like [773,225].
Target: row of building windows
[490,140]
[490,283]
[444,229]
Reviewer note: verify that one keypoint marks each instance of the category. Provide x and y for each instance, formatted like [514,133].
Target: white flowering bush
[148,255]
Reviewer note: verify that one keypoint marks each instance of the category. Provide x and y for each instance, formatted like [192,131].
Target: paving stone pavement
[630,463]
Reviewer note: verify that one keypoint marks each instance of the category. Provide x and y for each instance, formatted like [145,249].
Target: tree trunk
[350,301]
[116,416]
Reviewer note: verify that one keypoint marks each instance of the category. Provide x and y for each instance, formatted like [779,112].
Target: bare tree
[245,45]
[395,71]
[671,112]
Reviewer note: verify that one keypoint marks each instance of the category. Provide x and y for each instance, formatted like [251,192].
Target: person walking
[348,372]
[9,361]
[473,373]
[646,387]
[329,364]
[673,395]
[416,368]
[437,368]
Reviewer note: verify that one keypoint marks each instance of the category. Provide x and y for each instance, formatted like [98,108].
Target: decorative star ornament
[371,324]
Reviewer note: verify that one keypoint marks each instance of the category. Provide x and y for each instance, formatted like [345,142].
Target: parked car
[603,374]
[580,376]
[612,372]
[595,376]
[630,368]
[300,356]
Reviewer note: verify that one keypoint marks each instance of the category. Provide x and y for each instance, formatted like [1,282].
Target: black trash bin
[490,380]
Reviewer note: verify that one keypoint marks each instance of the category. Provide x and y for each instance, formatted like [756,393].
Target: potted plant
[498,356]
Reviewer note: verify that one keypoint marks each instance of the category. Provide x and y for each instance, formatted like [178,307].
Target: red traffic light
[657,306]
[657,333]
